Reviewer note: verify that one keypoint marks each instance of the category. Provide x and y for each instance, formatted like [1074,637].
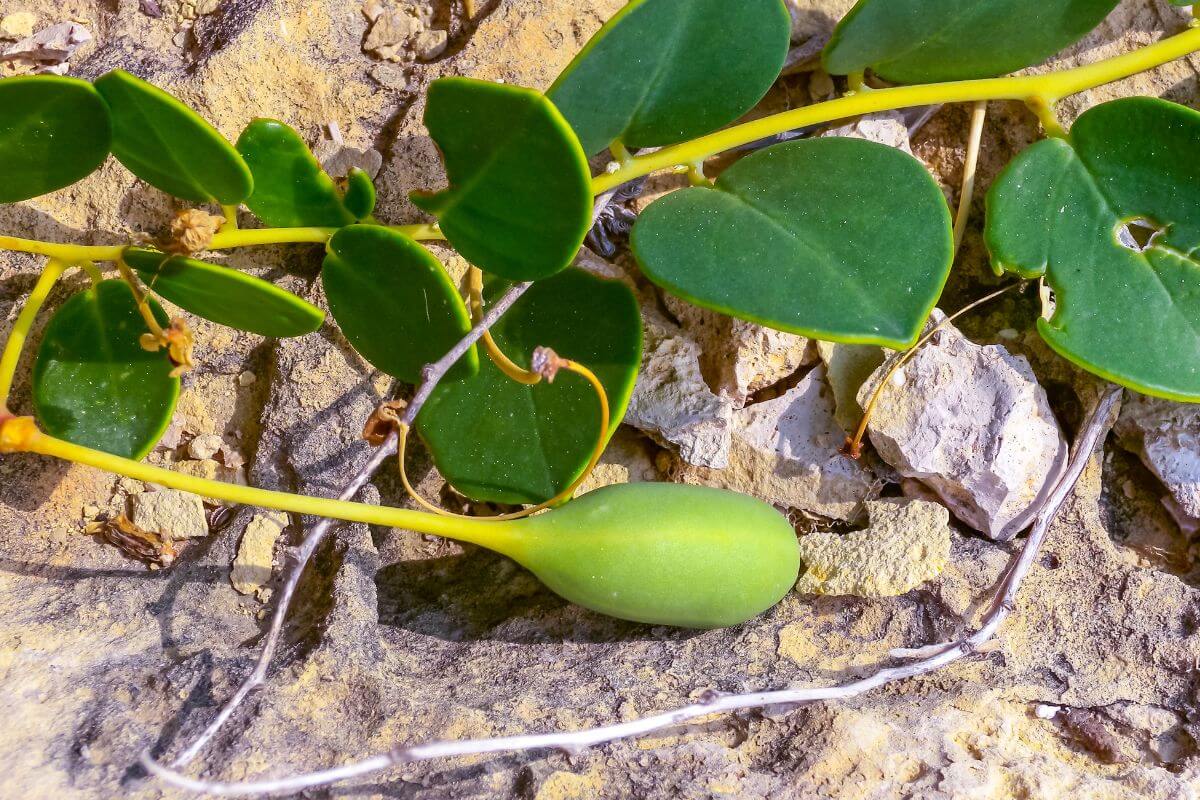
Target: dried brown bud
[383,421]
[179,346]
[547,363]
[192,231]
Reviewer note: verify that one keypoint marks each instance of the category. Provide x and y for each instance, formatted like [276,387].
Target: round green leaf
[225,296]
[923,41]
[359,199]
[53,132]
[93,384]
[1125,313]
[394,302]
[520,196]
[290,188]
[663,71]
[839,239]
[169,146]
[501,441]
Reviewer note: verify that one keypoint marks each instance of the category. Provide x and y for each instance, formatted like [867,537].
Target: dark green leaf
[662,71]
[169,146]
[520,196]
[838,239]
[93,384]
[225,296]
[498,440]
[394,302]
[1057,210]
[290,188]
[922,41]
[359,199]
[53,132]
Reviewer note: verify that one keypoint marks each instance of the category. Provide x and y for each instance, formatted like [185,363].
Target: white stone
[672,403]
[17,25]
[254,563]
[170,513]
[1166,436]
[973,425]
[205,446]
[786,451]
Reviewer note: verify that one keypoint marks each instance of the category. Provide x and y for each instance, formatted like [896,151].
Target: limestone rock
[972,424]
[205,446]
[17,25]
[170,513]
[785,451]
[391,32]
[847,368]
[671,401]
[1166,436]
[254,564]
[907,544]
[738,357]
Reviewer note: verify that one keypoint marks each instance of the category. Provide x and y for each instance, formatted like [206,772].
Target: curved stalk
[20,332]
[1047,89]
[20,434]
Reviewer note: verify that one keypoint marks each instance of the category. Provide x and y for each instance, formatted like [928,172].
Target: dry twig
[931,658]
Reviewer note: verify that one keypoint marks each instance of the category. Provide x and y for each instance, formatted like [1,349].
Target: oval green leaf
[501,441]
[923,41]
[520,196]
[169,146]
[1126,313]
[225,296]
[359,199]
[93,384]
[290,187]
[801,238]
[53,132]
[663,71]
[394,302]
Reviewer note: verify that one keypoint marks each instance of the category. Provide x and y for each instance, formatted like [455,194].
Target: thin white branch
[712,702]
[299,557]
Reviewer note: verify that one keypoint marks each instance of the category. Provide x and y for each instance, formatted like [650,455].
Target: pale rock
[339,160]
[739,358]
[17,25]
[255,560]
[847,368]
[49,49]
[391,32]
[973,425]
[671,402]
[205,446]
[907,544]
[170,513]
[212,470]
[627,459]
[1166,436]
[785,451]
[246,378]
[884,127]
[430,44]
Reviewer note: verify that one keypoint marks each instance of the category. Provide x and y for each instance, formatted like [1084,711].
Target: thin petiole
[978,115]
[15,344]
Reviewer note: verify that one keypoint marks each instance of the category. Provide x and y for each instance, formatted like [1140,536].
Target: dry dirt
[1091,693]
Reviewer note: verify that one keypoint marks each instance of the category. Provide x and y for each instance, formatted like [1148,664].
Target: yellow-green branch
[1038,89]
[20,434]
[224,240]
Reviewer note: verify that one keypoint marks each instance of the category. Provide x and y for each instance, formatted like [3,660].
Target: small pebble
[247,378]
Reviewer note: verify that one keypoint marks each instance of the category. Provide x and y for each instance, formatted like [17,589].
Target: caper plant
[522,383]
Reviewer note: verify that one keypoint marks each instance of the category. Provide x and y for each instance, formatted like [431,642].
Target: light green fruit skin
[666,554]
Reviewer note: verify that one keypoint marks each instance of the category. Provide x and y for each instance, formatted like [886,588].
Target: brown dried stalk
[929,659]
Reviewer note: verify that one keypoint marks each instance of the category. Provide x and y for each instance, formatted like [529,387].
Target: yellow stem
[70,253]
[139,297]
[978,114]
[564,495]
[1051,88]
[230,213]
[1044,110]
[505,364]
[20,434]
[20,332]
[93,272]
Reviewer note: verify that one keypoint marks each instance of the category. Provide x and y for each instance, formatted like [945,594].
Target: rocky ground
[1091,691]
